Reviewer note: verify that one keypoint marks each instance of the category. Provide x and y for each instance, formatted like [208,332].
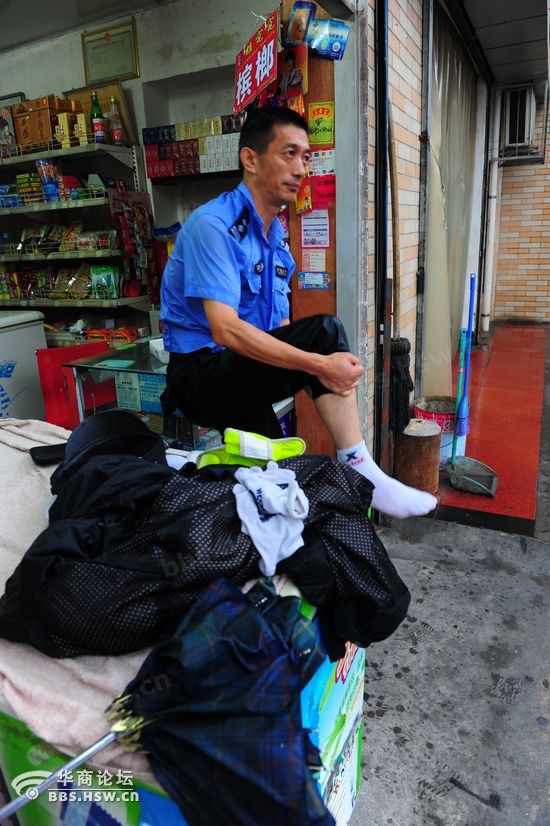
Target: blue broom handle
[459,385]
[469,334]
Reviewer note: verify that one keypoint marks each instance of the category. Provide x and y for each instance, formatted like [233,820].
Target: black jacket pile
[132,544]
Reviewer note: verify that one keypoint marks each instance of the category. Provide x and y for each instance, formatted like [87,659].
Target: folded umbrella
[216,707]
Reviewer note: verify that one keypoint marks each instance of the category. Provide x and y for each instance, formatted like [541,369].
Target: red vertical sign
[256,63]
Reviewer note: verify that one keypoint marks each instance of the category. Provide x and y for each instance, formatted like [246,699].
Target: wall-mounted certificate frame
[110,54]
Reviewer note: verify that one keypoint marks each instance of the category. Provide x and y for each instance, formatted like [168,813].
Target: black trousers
[222,389]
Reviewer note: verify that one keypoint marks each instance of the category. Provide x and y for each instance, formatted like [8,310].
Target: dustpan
[464,473]
[472,476]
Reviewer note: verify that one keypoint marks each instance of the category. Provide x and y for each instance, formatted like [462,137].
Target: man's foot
[389,496]
[396,499]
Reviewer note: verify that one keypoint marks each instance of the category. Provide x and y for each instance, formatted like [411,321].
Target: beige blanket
[61,700]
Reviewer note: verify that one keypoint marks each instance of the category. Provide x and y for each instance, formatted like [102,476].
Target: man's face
[282,167]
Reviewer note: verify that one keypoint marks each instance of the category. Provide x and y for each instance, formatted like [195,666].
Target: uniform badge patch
[281,272]
[240,227]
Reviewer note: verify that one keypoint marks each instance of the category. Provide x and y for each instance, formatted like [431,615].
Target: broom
[462,425]
[401,383]
[459,386]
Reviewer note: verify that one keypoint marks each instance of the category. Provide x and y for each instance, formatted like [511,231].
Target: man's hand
[341,373]
[338,372]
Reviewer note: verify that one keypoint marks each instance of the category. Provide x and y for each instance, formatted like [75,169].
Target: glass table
[133,378]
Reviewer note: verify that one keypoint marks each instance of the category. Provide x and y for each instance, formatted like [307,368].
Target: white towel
[272,508]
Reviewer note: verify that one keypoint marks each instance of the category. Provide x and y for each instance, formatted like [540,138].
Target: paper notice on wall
[314,280]
[321,122]
[323,162]
[314,260]
[315,229]
[324,190]
[150,388]
[127,391]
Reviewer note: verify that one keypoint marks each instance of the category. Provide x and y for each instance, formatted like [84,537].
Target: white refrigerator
[21,335]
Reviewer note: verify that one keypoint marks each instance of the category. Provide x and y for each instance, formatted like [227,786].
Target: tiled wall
[522,267]
[404,77]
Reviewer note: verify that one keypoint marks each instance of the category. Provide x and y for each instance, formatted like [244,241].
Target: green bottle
[98,121]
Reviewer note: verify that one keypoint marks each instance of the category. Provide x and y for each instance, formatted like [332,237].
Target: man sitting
[225,314]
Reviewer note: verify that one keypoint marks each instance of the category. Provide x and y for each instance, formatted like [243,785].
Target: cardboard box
[35,120]
[332,709]
[115,797]
[81,129]
[331,705]
[152,152]
[34,127]
[63,125]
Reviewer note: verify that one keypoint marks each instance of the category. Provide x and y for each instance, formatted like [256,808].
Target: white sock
[389,496]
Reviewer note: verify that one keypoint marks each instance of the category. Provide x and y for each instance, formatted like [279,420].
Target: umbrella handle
[34,791]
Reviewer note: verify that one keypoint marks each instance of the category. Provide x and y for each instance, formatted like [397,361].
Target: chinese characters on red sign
[256,63]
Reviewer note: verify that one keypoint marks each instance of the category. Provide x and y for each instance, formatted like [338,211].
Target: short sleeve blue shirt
[222,254]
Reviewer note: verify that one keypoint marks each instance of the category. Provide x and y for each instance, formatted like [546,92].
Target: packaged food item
[327,38]
[68,241]
[304,201]
[80,285]
[31,237]
[53,238]
[80,129]
[37,281]
[105,281]
[11,284]
[62,281]
[300,17]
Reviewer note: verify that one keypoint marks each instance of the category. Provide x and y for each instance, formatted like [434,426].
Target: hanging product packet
[300,18]
[304,200]
[105,281]
[327,38]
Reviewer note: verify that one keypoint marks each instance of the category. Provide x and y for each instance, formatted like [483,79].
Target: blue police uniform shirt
[222,254]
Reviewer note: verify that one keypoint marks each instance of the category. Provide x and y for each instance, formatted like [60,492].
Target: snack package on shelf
[68,241]
[37,281]
[47,171]
[65,275]
[10,284]
[96,240]
[105,280]
[31,237]
[80,286]
[8,196]
[52,239]
[29,188]
[73,283]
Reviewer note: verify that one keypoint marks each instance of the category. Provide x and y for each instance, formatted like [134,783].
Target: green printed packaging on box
[332,707]
[86,796]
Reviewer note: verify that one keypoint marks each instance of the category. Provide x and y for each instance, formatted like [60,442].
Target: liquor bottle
[118,136]
[98,121]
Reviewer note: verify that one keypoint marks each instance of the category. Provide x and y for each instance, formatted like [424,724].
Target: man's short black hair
[259,127]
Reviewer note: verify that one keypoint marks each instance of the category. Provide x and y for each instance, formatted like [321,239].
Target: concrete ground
[457,701]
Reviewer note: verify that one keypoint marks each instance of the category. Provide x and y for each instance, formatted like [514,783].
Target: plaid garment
[223,696]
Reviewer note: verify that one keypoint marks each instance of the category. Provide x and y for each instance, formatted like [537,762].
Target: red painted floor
[506,396]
